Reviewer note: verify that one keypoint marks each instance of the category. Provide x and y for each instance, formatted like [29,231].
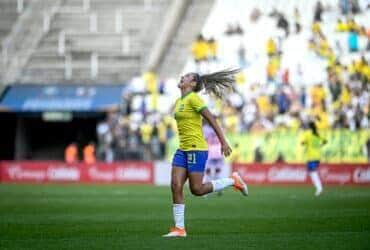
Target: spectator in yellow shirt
[272,68]
[341,26]
[318,113]
[324,47]
[318,94]
[345,95]
[162,137]
[199,49]
[151,82]
[271,47]
[146,131]
[264,105]
[316,28]
[365,71]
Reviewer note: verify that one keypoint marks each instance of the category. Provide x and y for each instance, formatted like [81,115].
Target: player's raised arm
[225,148]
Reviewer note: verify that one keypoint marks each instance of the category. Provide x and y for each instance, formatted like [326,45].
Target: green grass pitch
[135,217]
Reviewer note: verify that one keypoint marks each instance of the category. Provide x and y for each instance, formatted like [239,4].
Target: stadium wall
[158,173]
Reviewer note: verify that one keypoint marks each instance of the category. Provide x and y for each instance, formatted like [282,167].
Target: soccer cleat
[318,192]
[239,184]
[176,232]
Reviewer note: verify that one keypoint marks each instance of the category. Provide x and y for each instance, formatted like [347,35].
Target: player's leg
[198,188]
[218,165]
[207,173]
[315,178]
[196,163]
[178,179]
[316,181]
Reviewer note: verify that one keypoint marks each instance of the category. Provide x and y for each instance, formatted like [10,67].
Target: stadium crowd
[284,98]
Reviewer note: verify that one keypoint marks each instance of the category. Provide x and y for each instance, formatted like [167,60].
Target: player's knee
[176,186]
[196,190]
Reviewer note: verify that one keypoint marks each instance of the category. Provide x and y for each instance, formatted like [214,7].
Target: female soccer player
[313,142]
[190,159]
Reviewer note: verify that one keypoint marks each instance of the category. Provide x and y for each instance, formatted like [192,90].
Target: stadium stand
[9,13]
[92,41]
[100,42]
[192,22]
[277,87]
[95,41]
[8,16]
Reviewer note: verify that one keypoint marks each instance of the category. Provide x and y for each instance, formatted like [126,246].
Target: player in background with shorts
[190,159]
[215,161]
[313,142]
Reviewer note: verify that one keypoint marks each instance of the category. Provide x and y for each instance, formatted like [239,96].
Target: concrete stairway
[179,49]
[104,41]
[9,13]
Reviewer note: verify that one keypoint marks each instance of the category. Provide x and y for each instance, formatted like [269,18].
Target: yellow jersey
[312,145]
[199,50]
[271,47]
[189,122]
[146,131]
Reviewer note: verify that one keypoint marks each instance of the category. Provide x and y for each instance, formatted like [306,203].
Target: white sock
[316,180]
[178,215]
[221,184]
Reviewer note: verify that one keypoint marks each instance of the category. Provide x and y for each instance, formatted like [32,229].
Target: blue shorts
[313,165]
[193,161]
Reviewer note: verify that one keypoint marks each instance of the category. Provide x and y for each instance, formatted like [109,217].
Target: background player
[215,161]
[312,143]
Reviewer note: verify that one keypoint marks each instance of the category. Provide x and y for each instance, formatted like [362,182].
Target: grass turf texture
[135,217]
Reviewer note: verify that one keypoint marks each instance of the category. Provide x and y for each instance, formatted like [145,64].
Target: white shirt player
[214,145]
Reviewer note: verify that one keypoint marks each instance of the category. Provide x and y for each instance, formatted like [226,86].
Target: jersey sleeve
[197,103]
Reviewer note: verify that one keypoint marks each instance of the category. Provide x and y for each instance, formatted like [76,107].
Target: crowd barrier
[54,171]
[158,173]
[339,174]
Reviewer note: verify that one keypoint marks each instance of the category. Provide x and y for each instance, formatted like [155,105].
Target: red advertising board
[297,173]
[143,173]
[55,171]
